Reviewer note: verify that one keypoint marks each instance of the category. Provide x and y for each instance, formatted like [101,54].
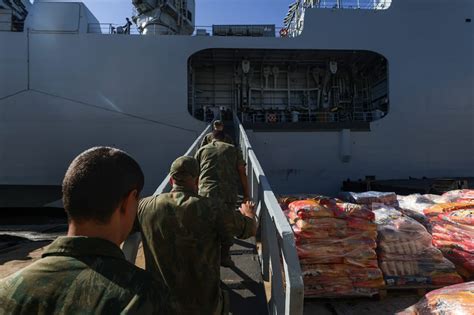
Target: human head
[184,171]
[218,135]
[218,125]
[98,183]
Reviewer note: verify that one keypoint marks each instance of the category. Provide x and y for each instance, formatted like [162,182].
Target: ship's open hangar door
[290,88]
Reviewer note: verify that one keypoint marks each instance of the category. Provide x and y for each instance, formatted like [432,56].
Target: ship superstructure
[162,17]
[294,20]
[356,93]
[13,14]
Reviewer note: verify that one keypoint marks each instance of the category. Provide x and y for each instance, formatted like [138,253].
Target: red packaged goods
[360,224]
[324,207]
[466,245]
[321,223]
[357,211]
[308,235]
[358,256]
[462,259]
[462,216]
[284,201]
[453,300]
[336,244]
[448,207]
[310,209]
[453,233]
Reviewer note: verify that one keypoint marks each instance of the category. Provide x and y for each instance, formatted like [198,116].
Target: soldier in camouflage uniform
[86,272]
[222,172]
[218,126]
[181,234]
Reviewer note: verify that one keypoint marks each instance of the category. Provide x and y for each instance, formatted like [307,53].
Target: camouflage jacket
[210,137]
[219,177]
[82,275]
[181,234]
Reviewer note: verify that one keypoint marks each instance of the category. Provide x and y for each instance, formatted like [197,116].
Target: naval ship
[344,90]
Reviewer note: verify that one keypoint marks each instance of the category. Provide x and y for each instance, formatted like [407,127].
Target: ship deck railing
[207,30]
[341,4]
[278,257]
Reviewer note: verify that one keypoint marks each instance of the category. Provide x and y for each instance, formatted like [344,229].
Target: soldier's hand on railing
[248,209]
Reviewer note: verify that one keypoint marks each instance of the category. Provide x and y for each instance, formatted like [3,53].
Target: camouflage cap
[218,123]
[183,167]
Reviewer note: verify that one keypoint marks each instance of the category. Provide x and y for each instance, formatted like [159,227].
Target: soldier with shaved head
[85,272]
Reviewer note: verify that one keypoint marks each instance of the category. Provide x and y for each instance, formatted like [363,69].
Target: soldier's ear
[130,201]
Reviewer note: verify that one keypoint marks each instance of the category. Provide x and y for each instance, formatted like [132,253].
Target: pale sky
[208,12]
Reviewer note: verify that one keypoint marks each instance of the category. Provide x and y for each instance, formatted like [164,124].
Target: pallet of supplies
[405,252]
[336,244]
[453,234]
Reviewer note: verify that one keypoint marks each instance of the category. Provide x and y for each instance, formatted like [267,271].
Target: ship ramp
[267,277]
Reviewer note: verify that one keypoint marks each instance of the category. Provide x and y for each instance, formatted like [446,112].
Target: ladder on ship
[267,277]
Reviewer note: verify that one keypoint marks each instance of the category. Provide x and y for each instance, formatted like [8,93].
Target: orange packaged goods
[453,300]
[406,254]
[435,210]
[453,234]
[310,209]
[336,244]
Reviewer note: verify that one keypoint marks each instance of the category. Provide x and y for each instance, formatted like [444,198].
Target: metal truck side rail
[278,255]
[131,244]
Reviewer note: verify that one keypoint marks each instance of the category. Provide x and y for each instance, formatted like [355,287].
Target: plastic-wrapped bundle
[453,300]
[370,197]
[462,195]
[414,205]
[332,280]
[406,254]
[336,246]
[453,233]
[325,207]
[284,201]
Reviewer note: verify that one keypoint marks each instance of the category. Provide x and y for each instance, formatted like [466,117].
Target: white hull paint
[61,93]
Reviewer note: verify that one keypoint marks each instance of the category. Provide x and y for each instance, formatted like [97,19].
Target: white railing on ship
[349,4]
[278,256]
[131,245]
[112,28]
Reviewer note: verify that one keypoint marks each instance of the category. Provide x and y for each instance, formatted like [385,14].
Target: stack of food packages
[406,254]
[453,300]
[453,232]
[405,251]
[336,244]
